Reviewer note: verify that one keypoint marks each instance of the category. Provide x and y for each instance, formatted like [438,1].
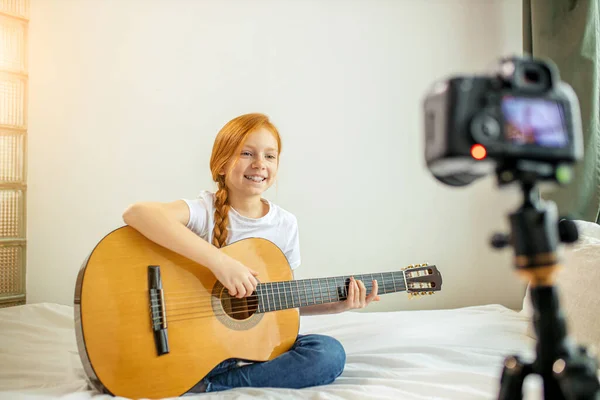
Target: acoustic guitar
[151,323]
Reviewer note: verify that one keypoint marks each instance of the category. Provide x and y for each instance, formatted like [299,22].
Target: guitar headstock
[422,279]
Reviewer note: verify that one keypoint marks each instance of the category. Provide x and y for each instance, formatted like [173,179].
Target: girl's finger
[356,297]
[373,295]
[362,293]
[350,297]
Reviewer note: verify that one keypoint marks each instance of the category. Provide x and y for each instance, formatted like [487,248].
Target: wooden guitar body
[120,322]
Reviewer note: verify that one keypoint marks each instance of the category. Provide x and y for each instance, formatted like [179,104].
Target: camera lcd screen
[533,121]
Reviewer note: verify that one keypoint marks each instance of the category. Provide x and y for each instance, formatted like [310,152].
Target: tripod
[567,370]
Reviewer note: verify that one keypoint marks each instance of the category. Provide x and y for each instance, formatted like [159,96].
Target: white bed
[437,354]
[445,354]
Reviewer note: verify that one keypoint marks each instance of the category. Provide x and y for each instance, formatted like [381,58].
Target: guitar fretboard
[273,296]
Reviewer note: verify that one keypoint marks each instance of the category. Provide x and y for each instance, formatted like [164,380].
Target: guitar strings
[277,290]
[208,312]
[204,313]
[250,303]
[310,284]
[265,296]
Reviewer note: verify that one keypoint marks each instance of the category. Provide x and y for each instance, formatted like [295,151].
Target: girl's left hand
[357,295]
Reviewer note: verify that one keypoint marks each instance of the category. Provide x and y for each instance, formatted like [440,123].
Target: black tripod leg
[577,376]
[513,375]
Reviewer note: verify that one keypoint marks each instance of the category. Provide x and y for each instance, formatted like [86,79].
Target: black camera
[520,121]
[524,123]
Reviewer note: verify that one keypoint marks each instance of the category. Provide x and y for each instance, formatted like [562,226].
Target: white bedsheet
[439,354]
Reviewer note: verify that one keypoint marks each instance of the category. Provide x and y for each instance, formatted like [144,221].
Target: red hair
[227,146]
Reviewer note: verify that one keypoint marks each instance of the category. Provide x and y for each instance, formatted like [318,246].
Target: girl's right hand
[239,280]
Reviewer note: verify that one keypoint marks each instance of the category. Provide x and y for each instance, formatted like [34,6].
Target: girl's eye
[272,157]
[246,153]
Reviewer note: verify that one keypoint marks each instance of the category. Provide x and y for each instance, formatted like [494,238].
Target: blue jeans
[313,360]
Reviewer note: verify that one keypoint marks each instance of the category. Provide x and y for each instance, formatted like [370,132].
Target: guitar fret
[275,290]
[319,299]
[336,295]
[260,303]
[279,296]
[269,306]
[265,297]
[279,304]
[285,290]
[321,292]
[334,288]
[318,291]
[273,294]
[306,298]
[402,279]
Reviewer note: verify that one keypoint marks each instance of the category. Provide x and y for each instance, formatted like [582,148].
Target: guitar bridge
[158,311]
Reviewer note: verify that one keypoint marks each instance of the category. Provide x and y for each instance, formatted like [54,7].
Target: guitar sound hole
[239,309]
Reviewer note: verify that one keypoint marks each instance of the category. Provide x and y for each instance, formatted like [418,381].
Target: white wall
[126,97]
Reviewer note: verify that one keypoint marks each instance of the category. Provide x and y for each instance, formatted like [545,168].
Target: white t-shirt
[278,225]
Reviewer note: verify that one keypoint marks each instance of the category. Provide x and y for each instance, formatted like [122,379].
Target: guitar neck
[275,296]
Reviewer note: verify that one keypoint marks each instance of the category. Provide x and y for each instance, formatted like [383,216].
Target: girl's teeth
[254,178]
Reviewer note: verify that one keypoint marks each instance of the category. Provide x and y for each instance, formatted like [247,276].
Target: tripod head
[544,238]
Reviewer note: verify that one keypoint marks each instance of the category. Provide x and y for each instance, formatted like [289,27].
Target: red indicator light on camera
[478,152]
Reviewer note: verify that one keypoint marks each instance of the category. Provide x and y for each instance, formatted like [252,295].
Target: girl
[244,164]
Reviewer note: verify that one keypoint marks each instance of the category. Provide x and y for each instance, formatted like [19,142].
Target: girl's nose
[258,163]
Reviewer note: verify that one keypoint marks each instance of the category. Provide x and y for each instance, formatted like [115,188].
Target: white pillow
[578,281]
